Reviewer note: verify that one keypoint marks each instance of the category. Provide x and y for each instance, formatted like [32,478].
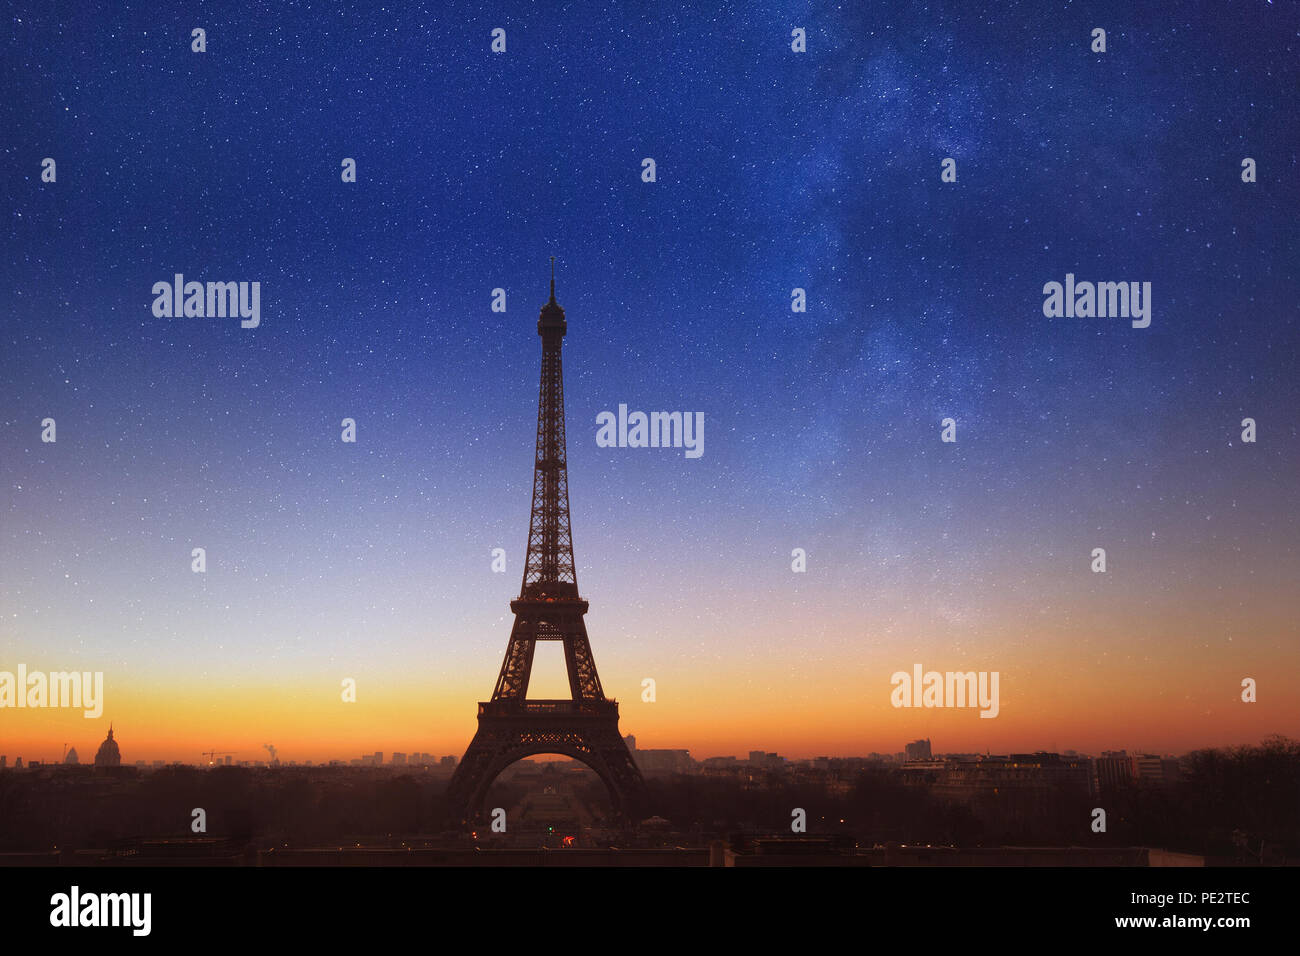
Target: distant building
[766,761]
[655,763]
[448,761]
[1114,770]
[108,755]
[1016,792]
[630,741]
[1151,769]
[721,763]
[399,759]
[70,758]
[18,763]
[918,749]
[3,761]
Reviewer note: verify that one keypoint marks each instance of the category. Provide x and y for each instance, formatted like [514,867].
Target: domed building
[108,755]
[72,756]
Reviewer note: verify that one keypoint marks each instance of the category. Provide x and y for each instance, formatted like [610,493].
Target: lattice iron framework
[548,609]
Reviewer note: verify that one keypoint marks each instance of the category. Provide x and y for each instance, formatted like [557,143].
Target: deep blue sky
[775,170]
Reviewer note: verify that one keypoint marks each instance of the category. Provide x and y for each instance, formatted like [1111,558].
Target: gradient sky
[775,170]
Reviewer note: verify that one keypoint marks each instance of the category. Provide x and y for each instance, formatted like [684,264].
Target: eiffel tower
[585,726]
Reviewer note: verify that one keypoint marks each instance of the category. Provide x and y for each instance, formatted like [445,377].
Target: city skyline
[434,757]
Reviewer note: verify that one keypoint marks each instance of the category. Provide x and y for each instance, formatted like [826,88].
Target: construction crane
[212,754]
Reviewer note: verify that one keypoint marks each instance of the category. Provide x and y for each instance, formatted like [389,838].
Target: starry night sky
[775,170]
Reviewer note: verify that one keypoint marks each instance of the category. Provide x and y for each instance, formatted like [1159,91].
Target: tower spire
[552,302]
